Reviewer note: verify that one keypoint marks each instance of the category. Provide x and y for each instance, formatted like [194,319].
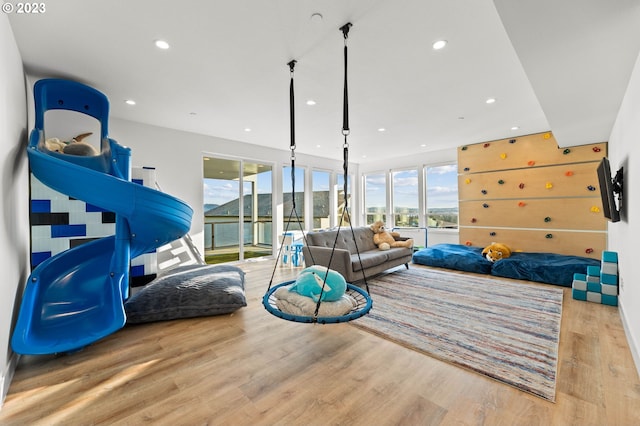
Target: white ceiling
[561,65]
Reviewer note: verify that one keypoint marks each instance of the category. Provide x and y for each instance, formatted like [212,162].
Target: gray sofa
[317,251]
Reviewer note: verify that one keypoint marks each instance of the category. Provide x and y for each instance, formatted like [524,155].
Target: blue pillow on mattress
[454,256]
[543,267]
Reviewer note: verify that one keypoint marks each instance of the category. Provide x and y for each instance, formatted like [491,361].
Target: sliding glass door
[238,214]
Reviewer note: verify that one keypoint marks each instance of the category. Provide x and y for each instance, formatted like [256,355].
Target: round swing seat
[362,306]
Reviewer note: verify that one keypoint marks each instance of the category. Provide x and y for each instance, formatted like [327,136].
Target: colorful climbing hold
[548,185]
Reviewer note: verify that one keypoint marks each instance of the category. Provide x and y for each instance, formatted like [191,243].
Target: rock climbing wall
[531,195]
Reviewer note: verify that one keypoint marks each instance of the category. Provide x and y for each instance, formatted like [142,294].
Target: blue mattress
[454,256]
[546,268]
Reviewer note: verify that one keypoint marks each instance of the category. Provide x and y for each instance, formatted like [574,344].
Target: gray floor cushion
[188,291]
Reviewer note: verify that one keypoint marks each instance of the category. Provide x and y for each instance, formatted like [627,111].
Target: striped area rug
[506,330]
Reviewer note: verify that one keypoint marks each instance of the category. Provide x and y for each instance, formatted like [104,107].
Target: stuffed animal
[496,251]
[73,147]
[385,239]
[310,282]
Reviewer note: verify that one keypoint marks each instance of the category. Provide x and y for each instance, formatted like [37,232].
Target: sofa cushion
[369,259]
[363,238]
[398,252]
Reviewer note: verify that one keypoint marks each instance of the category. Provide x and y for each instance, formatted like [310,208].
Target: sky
[442,187]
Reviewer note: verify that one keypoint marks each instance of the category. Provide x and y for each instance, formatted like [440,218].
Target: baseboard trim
[7,377]
[633,345]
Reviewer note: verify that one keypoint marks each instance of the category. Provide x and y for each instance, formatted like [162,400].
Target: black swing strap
[345,168]
[292,147]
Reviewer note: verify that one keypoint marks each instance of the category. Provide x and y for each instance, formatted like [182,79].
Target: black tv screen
[609,188]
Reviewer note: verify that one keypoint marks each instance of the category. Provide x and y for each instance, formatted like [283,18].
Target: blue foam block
[609,300]
[579,277]
[594,287]
[609,279]
[593,271]
[579,294]
[610,256]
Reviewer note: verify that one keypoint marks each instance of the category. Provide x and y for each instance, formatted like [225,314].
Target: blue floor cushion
[188,291]
[454,256]
[547,268]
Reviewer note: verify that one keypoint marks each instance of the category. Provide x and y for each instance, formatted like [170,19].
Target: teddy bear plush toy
[385,239]
[496,251]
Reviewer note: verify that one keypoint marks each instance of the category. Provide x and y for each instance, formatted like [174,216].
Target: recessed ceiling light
[439,44]
[515,128]
[318,146]
[130,102]
[246,129]
[161,44]
[382,129]
[423,145]
[311,102]
[491,100]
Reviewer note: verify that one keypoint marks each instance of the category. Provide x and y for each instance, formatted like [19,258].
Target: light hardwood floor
[251,368]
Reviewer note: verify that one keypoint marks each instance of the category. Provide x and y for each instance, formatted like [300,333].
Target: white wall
[14,215]
[624,236]
[177,157]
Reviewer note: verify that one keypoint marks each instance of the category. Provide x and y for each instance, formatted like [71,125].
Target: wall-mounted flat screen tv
[610,190]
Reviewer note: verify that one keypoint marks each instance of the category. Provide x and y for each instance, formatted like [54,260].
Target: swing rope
[362,299]
[292,147]
[345,169]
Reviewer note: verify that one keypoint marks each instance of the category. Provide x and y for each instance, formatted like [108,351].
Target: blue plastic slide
[76,297]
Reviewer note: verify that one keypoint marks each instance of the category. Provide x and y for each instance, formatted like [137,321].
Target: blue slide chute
[76,297]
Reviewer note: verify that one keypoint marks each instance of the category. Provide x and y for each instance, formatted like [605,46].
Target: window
[340,219]
[442,196]
[404,186]
[375,197]
[321,199]
[294,219]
